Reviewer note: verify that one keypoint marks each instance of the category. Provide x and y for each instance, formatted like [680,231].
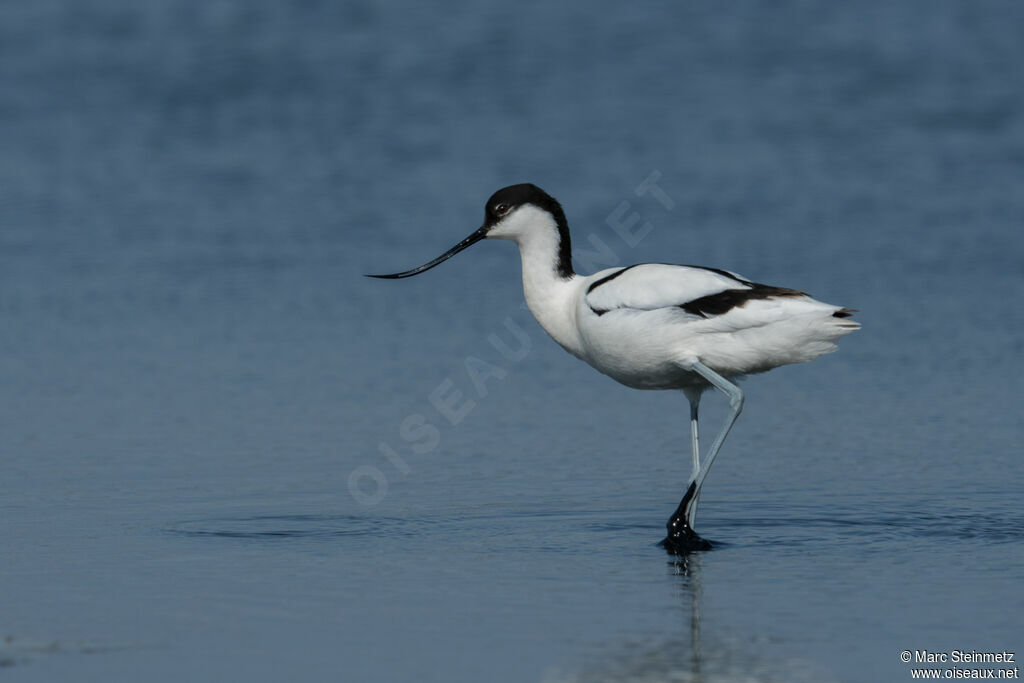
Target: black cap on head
[513,196]
[507,199]
[500,205]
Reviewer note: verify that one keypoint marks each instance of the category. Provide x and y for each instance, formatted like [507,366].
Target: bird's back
[641,323]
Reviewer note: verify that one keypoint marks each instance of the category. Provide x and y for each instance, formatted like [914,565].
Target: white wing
[652,286]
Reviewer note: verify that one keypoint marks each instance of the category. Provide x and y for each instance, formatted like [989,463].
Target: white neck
[551,298]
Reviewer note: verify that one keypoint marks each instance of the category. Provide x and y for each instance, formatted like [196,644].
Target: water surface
[193,368]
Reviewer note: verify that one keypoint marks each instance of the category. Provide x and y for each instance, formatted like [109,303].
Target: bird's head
[519,213]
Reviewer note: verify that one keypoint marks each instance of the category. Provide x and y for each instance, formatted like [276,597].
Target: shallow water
[193,368]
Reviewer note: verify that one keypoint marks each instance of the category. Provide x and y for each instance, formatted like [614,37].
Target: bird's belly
[649,349]
[637,353]
[645,376]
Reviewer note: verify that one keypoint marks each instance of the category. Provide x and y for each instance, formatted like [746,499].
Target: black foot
[682,540]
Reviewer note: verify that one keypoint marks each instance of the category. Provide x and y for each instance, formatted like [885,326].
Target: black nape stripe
[725,301]
[528,193]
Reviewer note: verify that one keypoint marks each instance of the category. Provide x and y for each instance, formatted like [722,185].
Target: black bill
[469,241]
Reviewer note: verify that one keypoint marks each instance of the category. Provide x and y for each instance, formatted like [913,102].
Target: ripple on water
[566,530]
[15,650]
[993,527]
[297,526]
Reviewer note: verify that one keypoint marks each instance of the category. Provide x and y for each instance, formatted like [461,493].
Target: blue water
[220,456]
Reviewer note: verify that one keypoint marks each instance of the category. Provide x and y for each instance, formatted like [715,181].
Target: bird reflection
[692,653]
[688,568]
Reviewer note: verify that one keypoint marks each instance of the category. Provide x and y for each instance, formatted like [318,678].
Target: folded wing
[702,292]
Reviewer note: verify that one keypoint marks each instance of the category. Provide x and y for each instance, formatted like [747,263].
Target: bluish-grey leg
[693,396]
[735,396]
[681,536]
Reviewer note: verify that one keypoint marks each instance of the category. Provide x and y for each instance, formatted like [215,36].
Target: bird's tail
[842,316]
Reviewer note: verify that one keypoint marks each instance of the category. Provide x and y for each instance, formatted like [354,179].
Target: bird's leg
[693,396]
[735,396]
[690,512]
[681,536]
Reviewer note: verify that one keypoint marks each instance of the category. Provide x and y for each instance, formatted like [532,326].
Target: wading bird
[655,325]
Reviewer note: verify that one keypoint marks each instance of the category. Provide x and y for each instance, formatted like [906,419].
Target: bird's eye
[501,209]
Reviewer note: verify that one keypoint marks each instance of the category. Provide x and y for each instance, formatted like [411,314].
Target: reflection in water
[688,568]
[694,655]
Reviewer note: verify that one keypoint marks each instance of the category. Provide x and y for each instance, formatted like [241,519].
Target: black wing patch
[724,301]
[724,273]
[608,278]
[718,303]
